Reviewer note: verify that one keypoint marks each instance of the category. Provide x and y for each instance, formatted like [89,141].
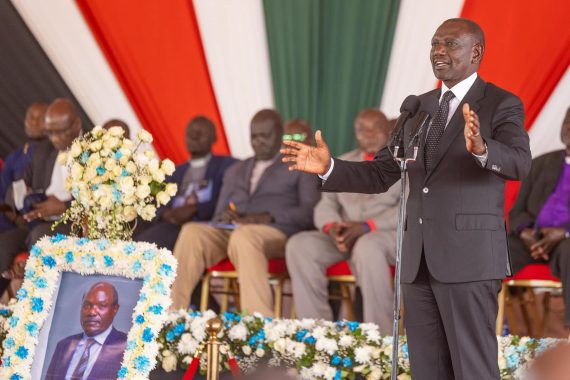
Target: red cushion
[535,272]
[21,257]
[343,269]
[276,266]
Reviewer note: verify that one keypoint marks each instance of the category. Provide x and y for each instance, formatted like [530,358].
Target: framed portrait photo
[88,309]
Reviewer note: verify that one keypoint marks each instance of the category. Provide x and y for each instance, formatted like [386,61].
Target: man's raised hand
[472,132]
[309,159]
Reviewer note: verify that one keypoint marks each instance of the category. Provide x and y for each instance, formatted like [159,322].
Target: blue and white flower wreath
[53,255]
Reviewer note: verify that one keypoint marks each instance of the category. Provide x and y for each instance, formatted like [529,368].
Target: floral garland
[53,255]
[112,182]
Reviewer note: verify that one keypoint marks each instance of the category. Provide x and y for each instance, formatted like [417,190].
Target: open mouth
[440,65]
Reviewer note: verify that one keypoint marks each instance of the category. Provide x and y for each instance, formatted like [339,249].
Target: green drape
[329,60]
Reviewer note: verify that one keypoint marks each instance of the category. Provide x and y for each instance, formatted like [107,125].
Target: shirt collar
[200,162]
[100,338]
[461,88]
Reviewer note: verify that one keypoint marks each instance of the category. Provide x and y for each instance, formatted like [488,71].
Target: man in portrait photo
[97,352]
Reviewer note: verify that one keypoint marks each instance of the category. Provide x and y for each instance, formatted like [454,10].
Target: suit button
[420,221]
[425,190]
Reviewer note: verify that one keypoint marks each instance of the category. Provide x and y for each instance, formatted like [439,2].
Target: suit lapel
[456,124]
[267,172]
[248,170]
[50,163]
[68,354]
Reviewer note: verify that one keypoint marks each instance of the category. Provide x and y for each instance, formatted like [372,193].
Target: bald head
[371,130]
[118,123]
[299,130]
[62,123]
[34,122]
[266,133]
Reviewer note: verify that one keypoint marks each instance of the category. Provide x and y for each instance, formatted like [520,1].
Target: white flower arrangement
[112,182]
[53,255]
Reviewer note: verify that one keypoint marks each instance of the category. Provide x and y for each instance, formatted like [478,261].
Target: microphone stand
[403,163]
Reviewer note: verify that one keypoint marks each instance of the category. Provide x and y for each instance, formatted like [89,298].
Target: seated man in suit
[17,161]
[266,202]
[44,177]
[97,352]
[360,228]
[199,183]
[540,218]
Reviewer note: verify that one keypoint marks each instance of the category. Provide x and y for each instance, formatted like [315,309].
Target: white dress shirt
[94,352]
[459,92]
[57,184]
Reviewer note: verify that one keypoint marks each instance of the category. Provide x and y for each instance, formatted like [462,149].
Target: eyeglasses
[294,136]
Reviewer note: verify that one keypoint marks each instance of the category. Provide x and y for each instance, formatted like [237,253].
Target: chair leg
[511,319]
[546,313]
[205,292]
[535,315]
[278,301]
[235,291]
[347,300]
[225,295]
[501,313]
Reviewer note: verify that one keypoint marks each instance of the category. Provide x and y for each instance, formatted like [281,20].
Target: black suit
[455,245]
[534,192]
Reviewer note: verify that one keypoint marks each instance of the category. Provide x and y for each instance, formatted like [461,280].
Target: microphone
[407,110]
[428,107]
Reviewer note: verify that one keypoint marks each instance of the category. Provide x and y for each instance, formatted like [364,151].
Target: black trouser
[451,328]
[559,262]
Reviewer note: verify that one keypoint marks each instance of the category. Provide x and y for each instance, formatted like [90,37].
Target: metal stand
[403,163]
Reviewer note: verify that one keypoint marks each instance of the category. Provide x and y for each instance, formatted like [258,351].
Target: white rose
[148,212]
[153,165]
[95,146]
[260,353]
[128,144]
[116,131]
[75,149]
[169,363]
[238,332]
[144,136]
[149,154]
[141,160]
[142,191]
[129,213]
[97,131]
[112,143]
[162,198]
[129,199]
[110,164]
[171,189]
[62,158]
[131,167]
[158,176]
[167,167]
[246,350]
[376,374]
[117,171]
[144,179]
[89,174]
[76,171]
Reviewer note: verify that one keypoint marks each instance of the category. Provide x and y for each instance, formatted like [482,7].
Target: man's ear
[477,53]
[116,309]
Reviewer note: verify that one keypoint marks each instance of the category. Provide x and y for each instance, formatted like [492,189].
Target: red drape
[156,53]
[527,51]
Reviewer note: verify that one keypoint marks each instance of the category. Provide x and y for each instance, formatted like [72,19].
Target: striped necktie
[84,361]
[436,130]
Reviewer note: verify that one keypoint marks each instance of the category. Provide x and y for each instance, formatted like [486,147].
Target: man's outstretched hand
[473,140]
[305,158]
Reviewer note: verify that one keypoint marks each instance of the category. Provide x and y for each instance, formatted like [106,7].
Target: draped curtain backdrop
[28,76]
[156,54]
[329,60]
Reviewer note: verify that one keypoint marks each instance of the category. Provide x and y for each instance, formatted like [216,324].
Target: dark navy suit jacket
[108,362]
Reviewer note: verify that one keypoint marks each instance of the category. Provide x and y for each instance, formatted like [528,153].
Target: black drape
[26,76]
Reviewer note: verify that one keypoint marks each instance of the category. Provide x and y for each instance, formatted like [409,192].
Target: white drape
[545,131]
[63,34]
[235,43]
[409,70]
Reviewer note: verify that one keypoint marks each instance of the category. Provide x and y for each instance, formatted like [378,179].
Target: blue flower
[117,196]
[337,375]
[149,254]
[229,316]
[4,312]
[352,326]
[147,335]
[88,260]
[35,251]
[102,244]
[29,273]
[347,362]
[15,376]
[131,345]
[124,173]
[57,238]
[82,241]
[179,328]
[118,155]
[6,361]
[22,294]
[139,319]
[84,157]
[48,261]
[95,187]
[170,336]
[310,340]
[165,270]
[32,328]
[142,297]
[301,334]
[142,363]
[155,309]
[100,170]
[252,340]
[129,248]
[69,257]
[137,266]
[159,288]
[336,360]
[22,352]
[108,261]
[37,304]
[13,321]
[122,373]
[9,343]
[75,192]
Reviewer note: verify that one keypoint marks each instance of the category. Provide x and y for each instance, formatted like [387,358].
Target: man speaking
[455,248]
[96,353]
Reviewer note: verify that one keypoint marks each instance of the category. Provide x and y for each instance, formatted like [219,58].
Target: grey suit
[309,253]
[455,246]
